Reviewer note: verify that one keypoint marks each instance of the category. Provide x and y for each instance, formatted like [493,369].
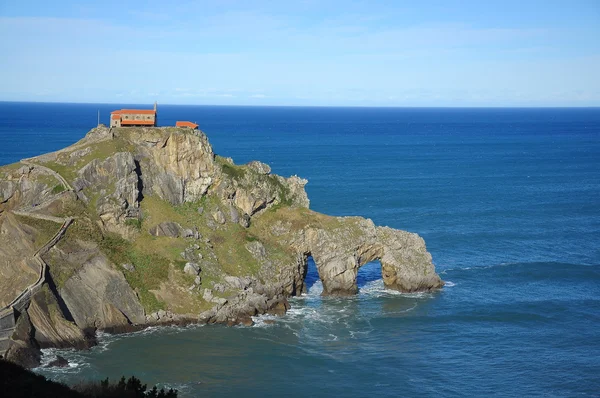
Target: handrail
[29,290]
[62,180]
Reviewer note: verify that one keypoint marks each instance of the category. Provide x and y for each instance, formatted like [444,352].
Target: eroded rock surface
[98,296]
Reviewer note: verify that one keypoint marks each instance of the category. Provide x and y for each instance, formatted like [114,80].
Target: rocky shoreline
[165,232]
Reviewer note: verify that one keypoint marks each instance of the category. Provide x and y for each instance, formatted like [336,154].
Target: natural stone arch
[339,253]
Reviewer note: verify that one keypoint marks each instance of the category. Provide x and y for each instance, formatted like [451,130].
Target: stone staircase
[21,302]
[7,327]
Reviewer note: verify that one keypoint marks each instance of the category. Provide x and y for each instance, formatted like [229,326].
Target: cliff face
[165,231]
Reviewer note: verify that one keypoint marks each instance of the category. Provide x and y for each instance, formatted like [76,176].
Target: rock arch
[339,253]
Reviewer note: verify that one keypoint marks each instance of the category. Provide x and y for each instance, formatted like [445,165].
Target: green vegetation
[150,268]
[67,167]
[132,388]
[233,171]
[17,382]
[58,189]
[44,229]
[135,223]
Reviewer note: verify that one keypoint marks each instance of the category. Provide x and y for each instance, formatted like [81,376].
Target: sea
[507,200]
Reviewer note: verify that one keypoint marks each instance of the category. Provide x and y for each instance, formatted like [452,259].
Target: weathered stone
[245,220]
[191,269]
[207,295]
[218,287]
[179,168]
[237,282]
[257,250]
[219,217]
[278,306]
[51,327]
[23,349]
[116,176]
[233,214]
[99,296]
[169,228]
[128,267]
[187,233]
[259,167]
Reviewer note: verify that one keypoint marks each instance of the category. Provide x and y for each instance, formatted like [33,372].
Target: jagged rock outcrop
[167,232]
[24,349]
[51,329]
[114,184]
[177,167]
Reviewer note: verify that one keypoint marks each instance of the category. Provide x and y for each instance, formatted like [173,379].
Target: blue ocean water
[508,201]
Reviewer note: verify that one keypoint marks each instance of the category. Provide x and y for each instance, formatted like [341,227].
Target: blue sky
[324,53]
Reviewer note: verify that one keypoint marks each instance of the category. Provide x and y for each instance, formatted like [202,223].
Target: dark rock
[244,220]
[23,349]
[59,362]
[278,307]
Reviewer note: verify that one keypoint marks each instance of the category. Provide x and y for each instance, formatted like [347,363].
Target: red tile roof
[136,111]
[134,122]
[186,124]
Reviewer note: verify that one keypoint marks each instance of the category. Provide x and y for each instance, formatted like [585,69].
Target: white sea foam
[376,288]
[76,361]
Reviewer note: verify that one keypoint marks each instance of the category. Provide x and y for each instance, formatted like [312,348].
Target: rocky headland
[131,227]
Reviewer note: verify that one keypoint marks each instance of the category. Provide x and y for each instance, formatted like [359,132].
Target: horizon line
[323,106]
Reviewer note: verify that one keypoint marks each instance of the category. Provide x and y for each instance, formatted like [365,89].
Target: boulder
[219,217]
[168,228]
[245,220]
[191,269]
[59,362]
[234,215]
[128,267]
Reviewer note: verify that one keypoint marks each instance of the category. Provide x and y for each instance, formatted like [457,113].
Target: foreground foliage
[18,382]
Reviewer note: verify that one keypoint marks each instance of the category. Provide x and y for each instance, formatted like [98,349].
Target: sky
[312,52]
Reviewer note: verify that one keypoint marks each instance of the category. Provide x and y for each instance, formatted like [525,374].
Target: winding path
[60,178]
[21,302]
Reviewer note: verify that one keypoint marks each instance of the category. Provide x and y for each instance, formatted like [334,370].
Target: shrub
[130,388]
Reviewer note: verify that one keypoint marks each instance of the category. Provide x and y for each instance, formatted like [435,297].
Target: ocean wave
[76,361]
[377,289]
